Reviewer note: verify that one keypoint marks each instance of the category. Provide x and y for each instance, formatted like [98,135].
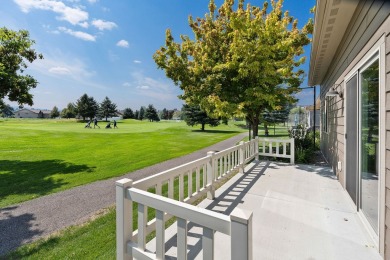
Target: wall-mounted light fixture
[334,93]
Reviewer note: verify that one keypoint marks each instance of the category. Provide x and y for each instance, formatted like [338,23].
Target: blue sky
[104,48]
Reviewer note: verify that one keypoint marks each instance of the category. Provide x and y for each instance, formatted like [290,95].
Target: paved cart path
[31,220]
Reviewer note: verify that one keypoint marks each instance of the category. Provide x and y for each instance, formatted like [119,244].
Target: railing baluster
[204,176]
[160,235]
[197,179]
[158,189]
[189,183]
[171,187]
[181,239]
[208,243]
[181,187]
[142,221]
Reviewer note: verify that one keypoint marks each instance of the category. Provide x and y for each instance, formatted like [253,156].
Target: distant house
[32,113]
[313,113]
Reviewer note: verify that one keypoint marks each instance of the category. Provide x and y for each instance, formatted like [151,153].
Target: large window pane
[370,143]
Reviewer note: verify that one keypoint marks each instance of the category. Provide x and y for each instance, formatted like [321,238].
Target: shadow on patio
[299,212]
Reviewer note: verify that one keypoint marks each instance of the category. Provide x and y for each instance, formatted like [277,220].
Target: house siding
[387,84]
[370,22]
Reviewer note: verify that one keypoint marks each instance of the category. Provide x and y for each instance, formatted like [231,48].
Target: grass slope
[38,157]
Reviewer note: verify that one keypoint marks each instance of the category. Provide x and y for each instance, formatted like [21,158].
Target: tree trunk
[266,133]
[203,124]
[255,126]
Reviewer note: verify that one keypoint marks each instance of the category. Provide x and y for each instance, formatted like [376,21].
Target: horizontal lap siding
[368,17]
[369,23]
[387,156]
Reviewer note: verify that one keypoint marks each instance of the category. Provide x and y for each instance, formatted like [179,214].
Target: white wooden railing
[157,192]
[271,147]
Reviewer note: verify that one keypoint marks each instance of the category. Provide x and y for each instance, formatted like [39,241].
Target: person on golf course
[95,123]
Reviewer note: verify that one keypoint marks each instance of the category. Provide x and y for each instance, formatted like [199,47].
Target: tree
[69,111]
[151,114]
[141,114]
[7,110]
[136,114]
[54,112]
[87,106]
[128,113]
[15,53]
[276,116]
[194,116]
[107,108]
[164,114]
[239,61]
[170,114]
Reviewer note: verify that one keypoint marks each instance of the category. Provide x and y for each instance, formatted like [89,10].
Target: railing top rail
[268,139]
[230,149]
[166,175]
[207,218]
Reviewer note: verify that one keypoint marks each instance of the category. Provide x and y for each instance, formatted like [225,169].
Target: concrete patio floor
[299,212]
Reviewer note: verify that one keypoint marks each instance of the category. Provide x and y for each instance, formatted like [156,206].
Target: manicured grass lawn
[94,240]
[38,157]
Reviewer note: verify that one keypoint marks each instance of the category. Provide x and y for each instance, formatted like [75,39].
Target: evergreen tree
[151,114]
[128,113]
[136,114]
[107,108]
[87,106]
[170,114]
[164,114]
[194,116]
[141,114]
[54,112]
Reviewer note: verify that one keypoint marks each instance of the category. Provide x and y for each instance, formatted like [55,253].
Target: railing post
[210,176]
[257,148]
[124,219]
[241,234]
[292,150]
[241,155]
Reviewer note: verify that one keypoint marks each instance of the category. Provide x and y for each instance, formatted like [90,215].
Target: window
[324,115]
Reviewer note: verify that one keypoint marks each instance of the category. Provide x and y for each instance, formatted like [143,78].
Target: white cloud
[126,84]
[103,25]
[137,61]
[159,90]
[60,70]
[123,44]
[61,65]
[84,24]
[143,87]
[92,1]
[73,15]
[81,35]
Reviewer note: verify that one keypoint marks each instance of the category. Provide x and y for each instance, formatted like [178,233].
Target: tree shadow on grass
[34,178]
[216,131]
